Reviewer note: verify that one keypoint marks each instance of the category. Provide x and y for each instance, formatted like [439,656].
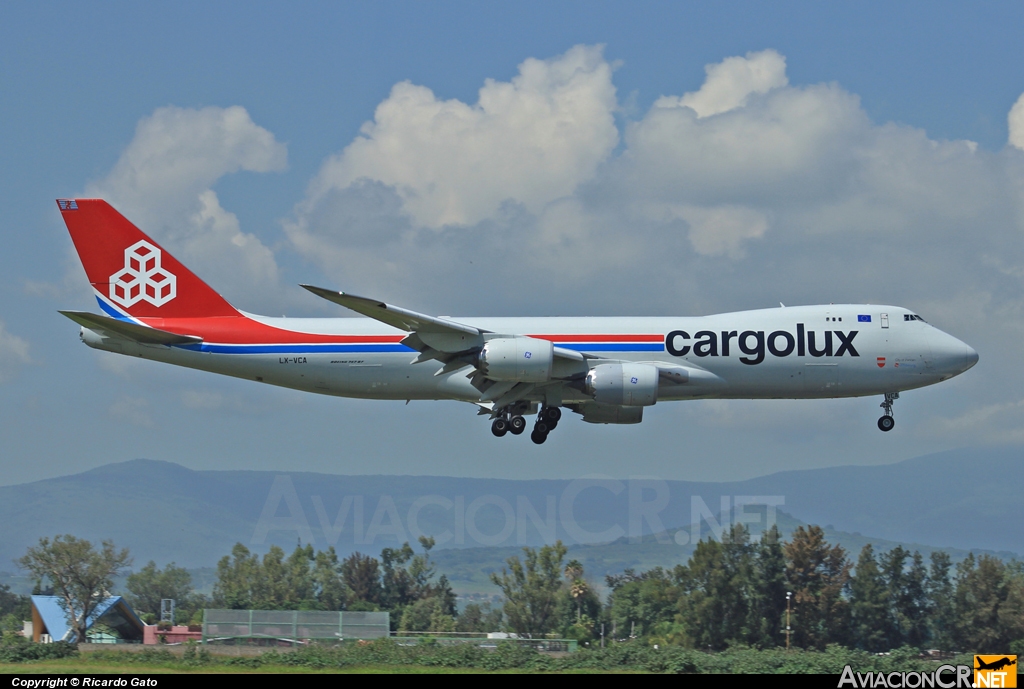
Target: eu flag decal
[863,319]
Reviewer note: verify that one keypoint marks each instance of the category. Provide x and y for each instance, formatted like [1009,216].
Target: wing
[427,332]
[455,345]
[131,331]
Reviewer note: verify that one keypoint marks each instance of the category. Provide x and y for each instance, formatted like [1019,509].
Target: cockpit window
[913,317]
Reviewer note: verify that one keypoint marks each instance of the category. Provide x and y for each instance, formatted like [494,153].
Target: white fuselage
[789,352]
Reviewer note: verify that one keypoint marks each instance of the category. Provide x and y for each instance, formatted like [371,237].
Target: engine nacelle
[522,359]
[631,385]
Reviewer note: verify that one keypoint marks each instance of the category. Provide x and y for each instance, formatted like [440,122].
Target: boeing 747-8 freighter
[605,369]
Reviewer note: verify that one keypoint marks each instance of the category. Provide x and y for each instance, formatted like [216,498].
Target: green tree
[531,587]
[641,602]
[941,602]
[406,576]
[239,580]
[13,604]
[913,613]
[578,587]
[1011,612]
[150,585]
[271,590]
[446,597]
[426,615]
[440,620]
[869,604]
[989,604]
[416,616]
[479,618]
[578,611]
[768,593]
[361,575]
[299,585]
[331,592]
[908,603]
[80,574]
[717,584]
[818,575]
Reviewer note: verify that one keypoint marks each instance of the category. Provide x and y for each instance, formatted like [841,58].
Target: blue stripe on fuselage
[393,348]
[297,349]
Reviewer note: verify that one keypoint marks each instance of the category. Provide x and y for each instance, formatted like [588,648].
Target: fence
[293,625]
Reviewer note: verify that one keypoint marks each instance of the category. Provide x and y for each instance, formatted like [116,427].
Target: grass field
[430,657]
[85,666]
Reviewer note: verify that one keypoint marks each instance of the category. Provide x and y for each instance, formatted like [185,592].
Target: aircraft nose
[952,357]
[970,357]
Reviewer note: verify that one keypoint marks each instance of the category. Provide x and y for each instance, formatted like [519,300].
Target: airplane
[994,665]
[605,369]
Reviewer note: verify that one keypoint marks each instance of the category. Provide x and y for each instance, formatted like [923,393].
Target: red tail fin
[130,272]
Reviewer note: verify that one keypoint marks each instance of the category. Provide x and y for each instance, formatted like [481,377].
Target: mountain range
[958,501]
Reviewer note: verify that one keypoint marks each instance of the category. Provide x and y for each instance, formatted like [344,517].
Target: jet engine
[519,359]
[631,385]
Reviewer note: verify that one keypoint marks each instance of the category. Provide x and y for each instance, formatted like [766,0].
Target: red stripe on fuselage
[600,338]
[242,330]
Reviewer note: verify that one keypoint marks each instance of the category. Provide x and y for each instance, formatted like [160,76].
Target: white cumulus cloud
[162,182]
[730,83]
[531,140]
[14,354]
[1016,122]
[722,230]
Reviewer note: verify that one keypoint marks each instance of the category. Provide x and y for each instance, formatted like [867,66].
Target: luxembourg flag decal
[881,362]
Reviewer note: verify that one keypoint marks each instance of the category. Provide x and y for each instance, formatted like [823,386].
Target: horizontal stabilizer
[132,331]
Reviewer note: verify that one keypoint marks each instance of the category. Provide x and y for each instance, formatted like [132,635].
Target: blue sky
[903,190]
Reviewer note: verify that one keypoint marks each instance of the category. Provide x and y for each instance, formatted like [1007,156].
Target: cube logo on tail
[142,278]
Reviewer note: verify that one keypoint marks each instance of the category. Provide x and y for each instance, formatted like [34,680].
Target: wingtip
[319,291]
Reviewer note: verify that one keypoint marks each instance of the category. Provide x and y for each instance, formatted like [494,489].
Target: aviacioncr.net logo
[142,278]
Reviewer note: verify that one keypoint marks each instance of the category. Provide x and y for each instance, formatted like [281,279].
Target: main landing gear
[887,422]
[547,419]
[515,424]
[508,423]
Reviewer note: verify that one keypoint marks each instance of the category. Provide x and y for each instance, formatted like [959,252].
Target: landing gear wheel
[549,416]
[886,423]
[499,427]
[538,437]
[517,425]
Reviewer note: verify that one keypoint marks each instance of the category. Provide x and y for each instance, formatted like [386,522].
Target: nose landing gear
[886,422]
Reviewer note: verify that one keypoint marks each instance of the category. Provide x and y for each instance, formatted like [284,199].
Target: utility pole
[789,595]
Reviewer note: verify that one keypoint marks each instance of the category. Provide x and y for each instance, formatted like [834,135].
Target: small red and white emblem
[881,362]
